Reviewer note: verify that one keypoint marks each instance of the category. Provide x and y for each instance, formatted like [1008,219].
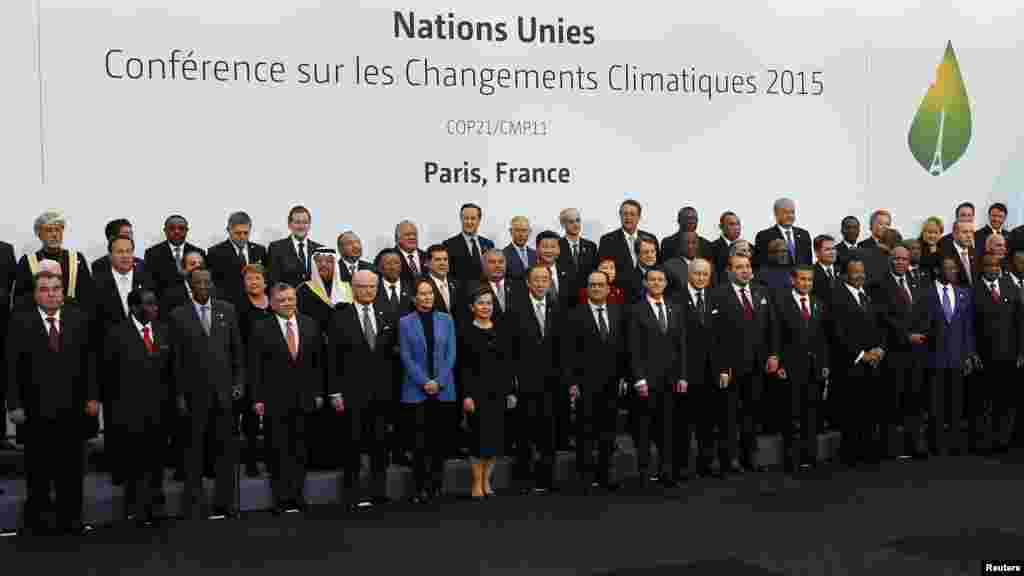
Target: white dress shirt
[798,298]
[597,315]
[140,328]
[856,298]
[46,325]
[387,288]
[553,269]
[124,286]
[442,287]
[360,308]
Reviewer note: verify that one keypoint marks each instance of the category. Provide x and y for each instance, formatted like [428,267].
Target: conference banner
[374,112]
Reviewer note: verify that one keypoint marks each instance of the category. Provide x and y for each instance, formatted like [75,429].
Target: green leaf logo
[942,126]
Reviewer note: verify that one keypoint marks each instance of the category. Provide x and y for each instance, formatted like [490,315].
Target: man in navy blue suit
[946,317]
[466,249]
[518,256]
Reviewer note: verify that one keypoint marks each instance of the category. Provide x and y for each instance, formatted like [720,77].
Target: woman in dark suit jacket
[486,383]
[427,349]
[251,311]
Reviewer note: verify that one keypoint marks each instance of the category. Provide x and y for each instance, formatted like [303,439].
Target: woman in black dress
[255,308]
[486,383]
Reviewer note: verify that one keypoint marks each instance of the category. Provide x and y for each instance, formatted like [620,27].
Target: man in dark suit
[519,257]
[548,250]
[447,297]
[999,329]
[731,228]
[285,375]
[702,389]
[290,260]
[325,291]
[415,262]
[113,286]
[52,389]
[502,287]
[859,343]
[78,284]
[163,261]
[351,249]
[799,335]
[945,315]
[622,245]
[826,271]
[850,230]
[996,220]
[798,240]
[657,345]
[878,222]
[227,259]
[8,268]
[180,293]
[594,355]
[741,319]
[538,370]
[209,368]
[875,249]
[363,346]
[962,252]
[676,244]
[677,268]
[114,229]
[576,253]
[394,295]
[901,401]
[137,368]
[964,214]
[466,249]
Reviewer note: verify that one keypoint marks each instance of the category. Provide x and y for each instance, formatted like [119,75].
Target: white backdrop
[355,155]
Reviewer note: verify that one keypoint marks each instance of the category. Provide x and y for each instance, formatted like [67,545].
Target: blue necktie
[790,245]
[947,306]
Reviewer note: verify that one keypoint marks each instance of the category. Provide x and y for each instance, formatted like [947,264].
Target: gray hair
[347,234]
[878,214]
[364,275]
[47,218]
[783,203]
[735,245]
[398,227]
[522,219]
[564,214]
[239,219]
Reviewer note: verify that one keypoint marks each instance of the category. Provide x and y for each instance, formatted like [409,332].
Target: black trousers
[905,402]
[990,397]
[288,449]
[596,414]
[368,434]
[536,427]
[739,403]
[860,391]
[139,462]
[430,426]
[803,394]
[662,417]
[947,410]
[54,457]
[220,448]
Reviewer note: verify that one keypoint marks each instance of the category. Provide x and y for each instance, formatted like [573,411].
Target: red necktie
[904,291]
[147,339]
[805,309]
[995,293]
[53,334]
[748,309]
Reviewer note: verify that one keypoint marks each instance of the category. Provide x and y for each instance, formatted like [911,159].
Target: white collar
[44,315]
[855,291]
[537,302]
[139,325]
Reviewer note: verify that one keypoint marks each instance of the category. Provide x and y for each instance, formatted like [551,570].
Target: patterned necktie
[602,326]
[177,257]
[540,317]
[662,320]
[700,306]
[293,342]
[414,266]
[500,293]
[147,339]
[748,308]
[804,309]
[53,334]
[790,246]
[302,257]
[368,332]
[947,306]
[862,300]
[996,297]
[204,318]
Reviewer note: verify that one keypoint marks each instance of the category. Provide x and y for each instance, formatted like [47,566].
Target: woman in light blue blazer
[427,348]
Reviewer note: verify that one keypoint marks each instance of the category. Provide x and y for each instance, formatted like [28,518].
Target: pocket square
[714,311]
[763,301]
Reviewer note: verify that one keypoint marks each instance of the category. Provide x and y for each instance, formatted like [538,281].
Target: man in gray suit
[209,375]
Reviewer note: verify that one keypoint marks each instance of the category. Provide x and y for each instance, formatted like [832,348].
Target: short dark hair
[479,210]
[238,219]
[135,296]
[655,269]
[388,252]
[853,258]
[200,268]
[607,280]
[170,219]
[633,203]
[961,206]
[726,214]
[821,239]
[642,238]
[188,253]
[847,219]
[420,281]
[110,242]
[299,208]
[680,218]
[113,228]
[801,268]
[998,206]
[279,286]
[481,290]
[436,248]
[546,235]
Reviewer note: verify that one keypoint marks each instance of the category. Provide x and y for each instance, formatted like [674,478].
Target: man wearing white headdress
[326,290]
[78,285]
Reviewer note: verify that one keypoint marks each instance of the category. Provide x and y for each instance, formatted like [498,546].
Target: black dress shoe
[221,514]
